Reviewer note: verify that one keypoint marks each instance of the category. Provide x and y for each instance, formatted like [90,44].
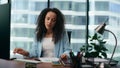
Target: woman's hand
[64,56]
[21,51]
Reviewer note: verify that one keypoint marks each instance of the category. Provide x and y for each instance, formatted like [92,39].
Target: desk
[15,64]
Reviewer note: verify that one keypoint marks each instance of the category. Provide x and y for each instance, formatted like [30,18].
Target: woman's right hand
[20,51]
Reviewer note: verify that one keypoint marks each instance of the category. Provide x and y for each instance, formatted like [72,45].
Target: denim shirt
[62,46]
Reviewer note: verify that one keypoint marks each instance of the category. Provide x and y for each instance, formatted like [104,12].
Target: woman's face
[50,20]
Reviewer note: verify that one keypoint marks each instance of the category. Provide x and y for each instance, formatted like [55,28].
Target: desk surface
[15,64]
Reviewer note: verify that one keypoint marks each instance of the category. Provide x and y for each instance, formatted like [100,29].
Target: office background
[24,14]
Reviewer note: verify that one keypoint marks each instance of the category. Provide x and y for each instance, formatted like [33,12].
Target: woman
[51,39]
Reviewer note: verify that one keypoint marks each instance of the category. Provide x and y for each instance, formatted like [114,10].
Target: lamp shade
[100,29]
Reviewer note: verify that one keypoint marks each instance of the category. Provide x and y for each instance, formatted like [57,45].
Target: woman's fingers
[63,56]
[15,50]
[18,50]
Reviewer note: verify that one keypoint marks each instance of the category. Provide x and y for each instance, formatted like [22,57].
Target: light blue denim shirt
[62,46]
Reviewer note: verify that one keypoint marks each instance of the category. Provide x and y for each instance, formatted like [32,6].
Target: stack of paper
[48,59]
[28,60]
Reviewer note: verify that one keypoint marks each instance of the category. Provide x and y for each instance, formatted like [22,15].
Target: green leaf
[95,36]
[87,54]
[104,54]
[100,56]
[95,50]
[94,54]
[104,49]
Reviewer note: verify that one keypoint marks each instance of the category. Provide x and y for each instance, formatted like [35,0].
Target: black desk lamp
[100,29]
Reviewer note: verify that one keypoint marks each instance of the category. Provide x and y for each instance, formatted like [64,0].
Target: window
[20,4]
[37,6]
[79,20]
[114,7]
[100,19]
[63,5]
[79,6]
[101,6]
[19,18]
[25,12]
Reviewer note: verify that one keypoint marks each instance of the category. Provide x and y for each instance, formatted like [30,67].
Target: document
[46,59]
[27,60]
[106,61]
[98,60]
[16,55]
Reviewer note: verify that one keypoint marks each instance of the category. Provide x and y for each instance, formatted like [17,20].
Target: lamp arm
[115,44]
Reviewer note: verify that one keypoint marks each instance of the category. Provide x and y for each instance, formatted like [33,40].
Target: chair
[69,35]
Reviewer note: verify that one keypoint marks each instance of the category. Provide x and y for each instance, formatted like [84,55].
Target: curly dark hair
[58,28]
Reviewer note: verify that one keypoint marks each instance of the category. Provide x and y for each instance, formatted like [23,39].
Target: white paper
[97,60]
[3,1]
[16,55]
[48,59]
[28,60]
[100,60]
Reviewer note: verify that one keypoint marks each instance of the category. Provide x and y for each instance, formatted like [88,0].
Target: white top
[48,47]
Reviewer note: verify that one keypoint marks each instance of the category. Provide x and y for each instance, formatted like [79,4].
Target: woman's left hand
[63,56]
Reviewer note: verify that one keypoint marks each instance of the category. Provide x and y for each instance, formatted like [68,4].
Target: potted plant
[95,48]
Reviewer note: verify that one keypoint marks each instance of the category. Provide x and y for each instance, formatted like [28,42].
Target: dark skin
[21,51]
